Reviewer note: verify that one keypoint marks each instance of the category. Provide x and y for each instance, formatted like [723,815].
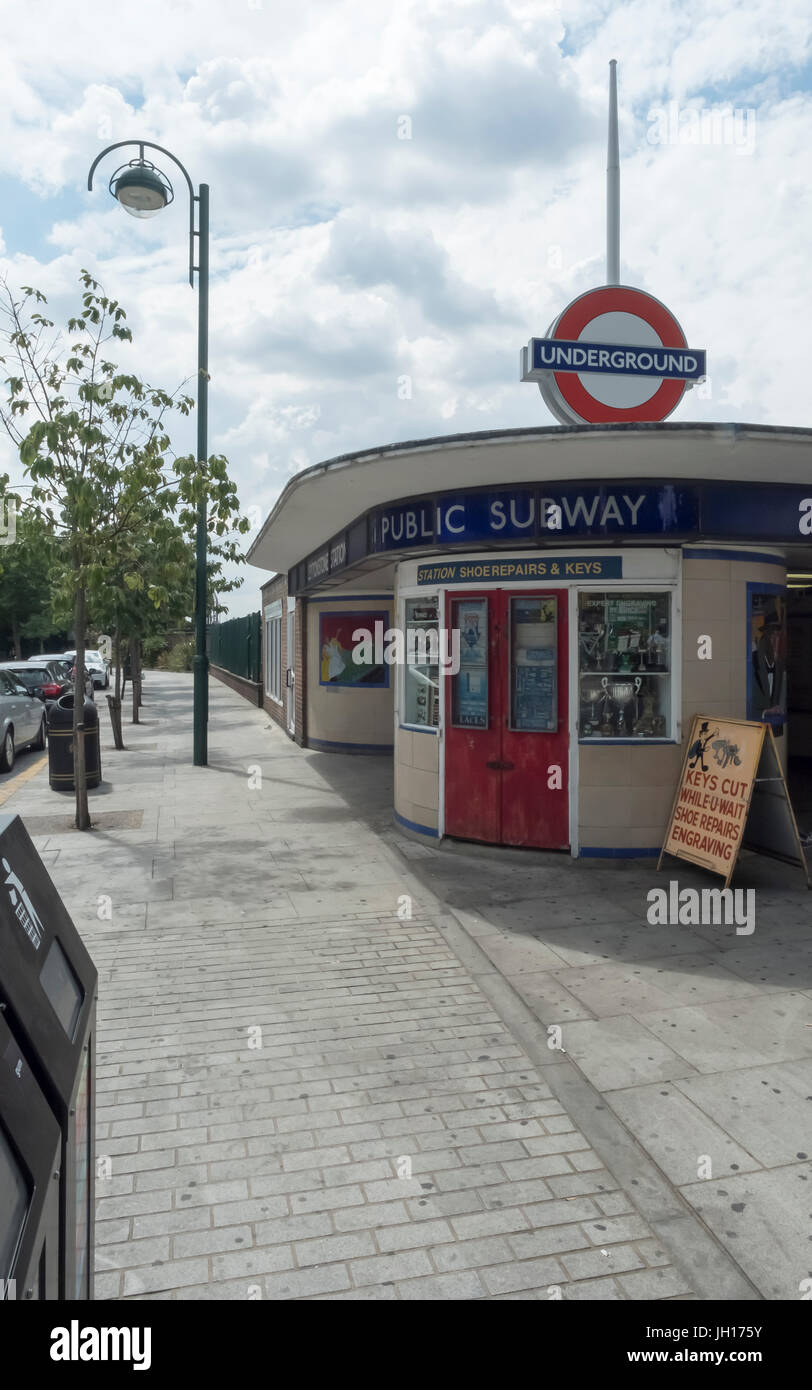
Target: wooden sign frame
[764,760]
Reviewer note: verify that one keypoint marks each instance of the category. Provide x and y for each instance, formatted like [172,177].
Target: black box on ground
[48,986]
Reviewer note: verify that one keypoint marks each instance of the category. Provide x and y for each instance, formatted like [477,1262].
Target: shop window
[624,665]
[534,664]
[421,694]
[273,651]
[469,687]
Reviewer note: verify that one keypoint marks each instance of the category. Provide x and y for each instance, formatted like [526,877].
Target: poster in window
[339,663]
[767,670]
[473,625]
[534,656]
[471,699]
[470,693]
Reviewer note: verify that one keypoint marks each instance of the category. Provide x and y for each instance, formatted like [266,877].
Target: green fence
[235,645]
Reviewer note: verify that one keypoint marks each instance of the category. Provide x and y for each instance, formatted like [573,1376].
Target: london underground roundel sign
[614,356]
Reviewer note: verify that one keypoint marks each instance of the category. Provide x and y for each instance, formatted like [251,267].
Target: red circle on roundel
[618,299]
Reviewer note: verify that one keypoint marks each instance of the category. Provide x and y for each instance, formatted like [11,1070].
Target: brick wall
[250,690]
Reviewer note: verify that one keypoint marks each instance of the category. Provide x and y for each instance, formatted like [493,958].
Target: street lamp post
[143,191]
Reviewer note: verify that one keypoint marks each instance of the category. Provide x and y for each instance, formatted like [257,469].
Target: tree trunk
[15,637]
[134,678]
[114,701]
[118,663]
[79,777]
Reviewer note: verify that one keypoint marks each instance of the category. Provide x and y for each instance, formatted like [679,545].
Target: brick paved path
[302,1093]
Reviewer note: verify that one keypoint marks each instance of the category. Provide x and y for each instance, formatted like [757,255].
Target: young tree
[145,590]
[94,444]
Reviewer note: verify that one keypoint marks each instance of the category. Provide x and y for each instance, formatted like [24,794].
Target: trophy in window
[589,639]
[606,728]
[644,724]
[658,647]
[591,691]
[622,693]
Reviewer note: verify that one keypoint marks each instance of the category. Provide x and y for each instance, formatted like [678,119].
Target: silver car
[95,664]
[22,720]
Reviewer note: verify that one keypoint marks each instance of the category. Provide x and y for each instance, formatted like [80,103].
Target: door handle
[499,765]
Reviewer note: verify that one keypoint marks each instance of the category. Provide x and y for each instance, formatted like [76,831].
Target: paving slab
[678,1134]
[766,1217]
[768,1110]
[733,1034]
[620,1051]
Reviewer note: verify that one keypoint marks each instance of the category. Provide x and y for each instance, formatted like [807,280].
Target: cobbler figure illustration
[696,752]
[726,753]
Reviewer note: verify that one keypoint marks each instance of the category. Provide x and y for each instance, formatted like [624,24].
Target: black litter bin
[60,744]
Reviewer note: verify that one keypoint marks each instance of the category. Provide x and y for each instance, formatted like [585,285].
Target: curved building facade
[546,609]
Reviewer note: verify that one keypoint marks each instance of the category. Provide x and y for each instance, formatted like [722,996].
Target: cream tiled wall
[626,792]
[417,776]
[719,686]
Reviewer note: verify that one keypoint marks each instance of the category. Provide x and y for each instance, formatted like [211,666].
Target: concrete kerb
[694,1249]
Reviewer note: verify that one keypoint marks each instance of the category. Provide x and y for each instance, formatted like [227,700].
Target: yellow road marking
[11,787]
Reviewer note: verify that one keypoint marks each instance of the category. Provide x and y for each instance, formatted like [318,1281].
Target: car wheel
[39,741]
[7,752]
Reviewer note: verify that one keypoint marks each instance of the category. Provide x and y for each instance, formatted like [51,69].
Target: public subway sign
[655,510]
[614,356]
[630,509]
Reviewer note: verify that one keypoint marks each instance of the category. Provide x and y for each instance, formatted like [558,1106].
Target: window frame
[423,601]
[273,651]
[640,588]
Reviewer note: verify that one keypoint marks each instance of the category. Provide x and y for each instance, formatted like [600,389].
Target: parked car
[22,719]
[95,664]
[57,668]
[56,664]
[37,679]
[61,670]
[89,686]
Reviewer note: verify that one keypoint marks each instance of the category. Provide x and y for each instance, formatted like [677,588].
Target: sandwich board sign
[731,795]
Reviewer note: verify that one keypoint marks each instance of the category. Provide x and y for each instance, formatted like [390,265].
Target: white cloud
[346,258]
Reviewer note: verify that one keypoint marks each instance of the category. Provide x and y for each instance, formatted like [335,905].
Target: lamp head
[141,189]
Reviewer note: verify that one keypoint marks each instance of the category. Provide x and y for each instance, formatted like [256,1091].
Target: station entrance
[507,725]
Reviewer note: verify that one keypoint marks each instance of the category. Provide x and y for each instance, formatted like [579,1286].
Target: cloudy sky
[403,193]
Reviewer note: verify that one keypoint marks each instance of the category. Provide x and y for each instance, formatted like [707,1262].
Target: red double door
[506,719]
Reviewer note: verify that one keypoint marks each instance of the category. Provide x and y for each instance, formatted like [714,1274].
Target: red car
[38,680]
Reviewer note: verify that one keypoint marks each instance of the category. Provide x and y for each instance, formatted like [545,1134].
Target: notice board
[731,795]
